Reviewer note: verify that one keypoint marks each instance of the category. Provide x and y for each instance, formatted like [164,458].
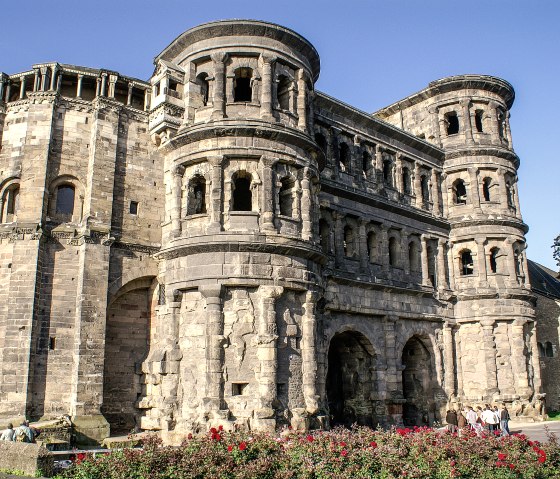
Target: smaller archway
[486,184]
[393,251]
[388,172]
[494,260]
[286,196]
[452,123]
[242,197]
[406,181]
[196,201]
[372,246]
[466,263]
[414,257]
[325,233]
[349,241]
[344,157]
[459,192]
[284,92]
[425,189]
[10,203]
[204,88]
[242,85]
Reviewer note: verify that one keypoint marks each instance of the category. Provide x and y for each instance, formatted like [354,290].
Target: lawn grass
[554,415]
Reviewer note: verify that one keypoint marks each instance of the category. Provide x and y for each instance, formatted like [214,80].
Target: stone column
[216,191]
[36,81]
[147,96]
[442,276]
[446,196]
[434,113]
[417,185]
[8,90]
[214,347]
[362,246]
[452,265]
[398,173]
[378,167]
[508,130]
[3,81]
[267,357]
[176,190]
[129,97]
[309,353]
[54,70]
[435,194]
[22,88]
[44,72]
[112,83]
[97,86]
[424,261]
[535,361]
[489,347]
[103,91]
[306,206]
[474,188]
[266,94]
[58,81]
[515,193]
[518,360]
[218,93]
[338,239]
[405,263]
[449,367]
[302,100]
[393,374]
[384,248]
[467,119]
[269,191]
[481,261]
[79,86]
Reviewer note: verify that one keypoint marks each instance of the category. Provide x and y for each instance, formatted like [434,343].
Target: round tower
[234,339]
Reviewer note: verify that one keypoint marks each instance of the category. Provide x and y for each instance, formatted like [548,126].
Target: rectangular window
[237,389]
[134,207]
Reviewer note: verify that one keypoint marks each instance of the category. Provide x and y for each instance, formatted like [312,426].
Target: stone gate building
[226,245]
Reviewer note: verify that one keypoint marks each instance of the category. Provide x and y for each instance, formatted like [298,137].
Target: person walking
[489,418]
[8,434]
[461,421]
[504,420]
[451,419]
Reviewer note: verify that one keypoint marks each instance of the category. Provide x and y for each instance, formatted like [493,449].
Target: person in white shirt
[489,418]
[8,434]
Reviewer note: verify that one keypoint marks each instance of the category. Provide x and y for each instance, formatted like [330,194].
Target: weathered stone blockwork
[224,245]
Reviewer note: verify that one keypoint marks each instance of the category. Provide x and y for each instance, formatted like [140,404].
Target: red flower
[189,436]
[542,459]
[220,428]
[511,466]
[453,463]
[344,452]
[502,456]
[230,448]
[310,438]
[342,444]
[373,444]
[242,446]
[213,430]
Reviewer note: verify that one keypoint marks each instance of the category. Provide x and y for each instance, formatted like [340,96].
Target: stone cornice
[468,223]
[466,151]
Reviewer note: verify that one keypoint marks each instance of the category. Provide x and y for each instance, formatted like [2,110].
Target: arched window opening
[509,193]
[466,263]
[494,255]
[283,92]
[325,232]
[202,82]
[196,196]
[393,251]
[542,351]
[459,192]
[478,120]
[372,246]
[286,196]
[388,172]
[425,188]
[65,200]
[242,85]
[11,204]
[344,157]
[414,257]
[548,350]
[486,184]
[242,195]
[452,122]
[366,163]
[406,181]
[321,141]
[431,265]
[349,247]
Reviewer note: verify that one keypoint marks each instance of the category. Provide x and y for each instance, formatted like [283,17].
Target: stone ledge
[27,458]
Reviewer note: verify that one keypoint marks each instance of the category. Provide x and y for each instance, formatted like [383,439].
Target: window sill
[243,213]
[193,217]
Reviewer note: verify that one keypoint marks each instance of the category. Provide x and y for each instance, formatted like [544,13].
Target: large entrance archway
[127,341]
[417,380]
[350,380]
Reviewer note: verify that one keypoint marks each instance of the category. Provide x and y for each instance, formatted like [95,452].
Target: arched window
[366,163]
[10,203]
[548,350]
[425,187]
[286,196]
[202,82]
[242,85]
[406,181]
[242,196]
[343,157]
[65,200]
[486,184]
[349,247]
[283,92]
[393,251]
[388,172]
[478,120]
[372,246]
[325,232]
[452,122]
[196,196]
[459,192]
[466,263]
[321,141]
[414,256]
[494,257]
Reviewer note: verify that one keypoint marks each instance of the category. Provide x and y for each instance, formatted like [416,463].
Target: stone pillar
[214,347]
[58,81]
[129,97]
[393,374]
[147,96]
[474,188]
[405,263]
[535,361]
[3,82]
[379,166]
[362,246]
[449,367]
[103,91]
[307,205]
[417,185]
[267,357]
[97,86]
[481,262]
[515,193]
[435,194]
[518,360]
[424,261]
[266,94]
[338,239]
[508,130]
[398,173]
[441,258]
[79,86]
[53,77]
[216,192]
[434,114]
[309,353]
[176,190]
[112,83]
[269,191]
[489,347]
[36,81]
[22,88]
[302,100]
[44,73]
[452,265]
[218,93]
[384,248]
[467,120]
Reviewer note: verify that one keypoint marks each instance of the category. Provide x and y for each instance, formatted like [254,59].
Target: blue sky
[372,54]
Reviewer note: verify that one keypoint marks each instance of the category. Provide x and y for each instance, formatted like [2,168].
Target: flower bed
[358,453]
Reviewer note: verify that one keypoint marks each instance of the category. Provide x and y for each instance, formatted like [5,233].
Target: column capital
[270,291]
[487,323]
[465,102]
[520,322]
[179,170]
[268,161]
[480,241]
[267,58]
[215,160]
[211,290]
[219,57]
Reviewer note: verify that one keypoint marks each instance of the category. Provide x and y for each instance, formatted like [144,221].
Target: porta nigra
[225,245]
